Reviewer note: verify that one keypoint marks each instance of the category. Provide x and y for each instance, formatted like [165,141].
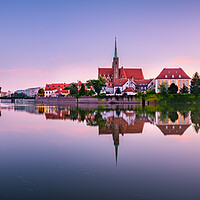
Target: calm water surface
[118,152]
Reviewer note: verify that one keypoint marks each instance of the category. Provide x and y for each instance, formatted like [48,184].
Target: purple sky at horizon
[66,41]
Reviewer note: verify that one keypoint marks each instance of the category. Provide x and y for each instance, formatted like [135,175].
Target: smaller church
[124,80]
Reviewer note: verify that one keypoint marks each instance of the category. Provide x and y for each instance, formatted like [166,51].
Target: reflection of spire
[116,152]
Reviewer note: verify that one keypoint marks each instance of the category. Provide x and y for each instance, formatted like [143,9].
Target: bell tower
[115,64]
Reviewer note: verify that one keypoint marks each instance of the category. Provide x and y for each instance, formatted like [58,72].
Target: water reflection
[124,119]
[46,150]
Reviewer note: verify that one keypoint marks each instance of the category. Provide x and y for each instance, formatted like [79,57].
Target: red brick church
[116,76]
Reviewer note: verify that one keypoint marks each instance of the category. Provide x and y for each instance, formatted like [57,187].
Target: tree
[184,90]
[118,91]
[41,92]
[151,91]
[163,88]
[73,90]
[173,89]
[82,91]
[173,116]
[195,84]
[97,84]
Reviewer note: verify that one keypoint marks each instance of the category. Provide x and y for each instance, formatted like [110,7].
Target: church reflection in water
[116,121]
[122,120]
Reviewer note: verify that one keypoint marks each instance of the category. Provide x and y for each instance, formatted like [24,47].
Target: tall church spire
[115,48]
[115,64]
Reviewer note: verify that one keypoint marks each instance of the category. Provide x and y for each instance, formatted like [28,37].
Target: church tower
[115,64]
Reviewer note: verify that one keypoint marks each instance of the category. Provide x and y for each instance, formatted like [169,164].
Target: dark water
[121,152]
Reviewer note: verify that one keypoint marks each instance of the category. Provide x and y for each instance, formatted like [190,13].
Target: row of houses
[56,89]
[131,80]
[127,85]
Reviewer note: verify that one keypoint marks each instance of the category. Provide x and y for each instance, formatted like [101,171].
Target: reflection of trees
[96,121]
[195,117]
[93,116]
[41,109]
[184,114]
[173,116]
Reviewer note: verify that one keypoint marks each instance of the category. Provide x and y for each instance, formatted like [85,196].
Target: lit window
[179,76]
[172,76]
[165,76]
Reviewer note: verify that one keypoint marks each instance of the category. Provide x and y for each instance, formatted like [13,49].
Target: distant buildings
[29,92]
[172,75]
[56,89]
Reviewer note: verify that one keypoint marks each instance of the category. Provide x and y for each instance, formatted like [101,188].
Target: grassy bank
[173,98]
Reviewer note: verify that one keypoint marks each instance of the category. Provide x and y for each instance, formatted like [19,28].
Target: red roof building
[117,76]
[172,75]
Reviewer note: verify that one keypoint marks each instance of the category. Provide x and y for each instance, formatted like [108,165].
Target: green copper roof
[115,49]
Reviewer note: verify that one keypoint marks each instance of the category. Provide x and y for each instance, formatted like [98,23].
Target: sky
[47,41]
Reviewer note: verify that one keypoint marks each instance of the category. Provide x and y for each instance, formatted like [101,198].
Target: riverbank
[88,100]
[172,98]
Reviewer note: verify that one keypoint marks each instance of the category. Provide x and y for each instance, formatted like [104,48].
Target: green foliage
[195,84]
[97,84]
[73,90]
[173,89]
[19,95]
[151,91]
[41,92]
[102,96]
[173,116]
[82,91]
[91,92]
[118,91]
[163,88]
[184,90]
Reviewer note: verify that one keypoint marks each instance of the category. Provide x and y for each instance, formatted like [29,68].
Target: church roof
[132,73]
[105,71]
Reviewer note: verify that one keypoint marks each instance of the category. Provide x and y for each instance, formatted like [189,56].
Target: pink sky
[67,41]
